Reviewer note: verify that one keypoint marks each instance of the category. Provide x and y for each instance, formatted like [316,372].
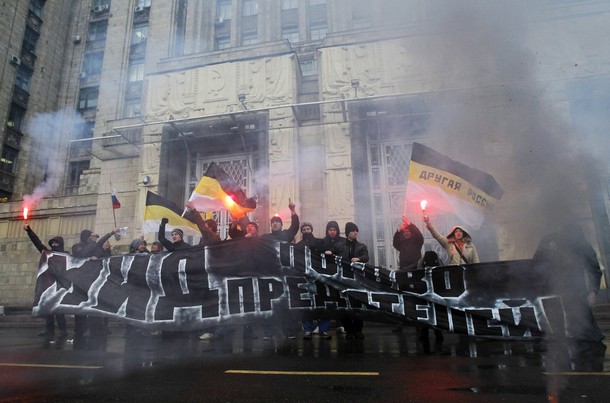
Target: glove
[164,221]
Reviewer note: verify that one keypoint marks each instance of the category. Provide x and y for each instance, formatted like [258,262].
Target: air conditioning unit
[219,21]
[76,39]
[139,9]
[98,9]
[15,60]
[82,75]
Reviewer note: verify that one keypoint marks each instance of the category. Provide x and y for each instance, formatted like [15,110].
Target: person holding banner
[57,245]
[458,244]
[355,252]
[408,241]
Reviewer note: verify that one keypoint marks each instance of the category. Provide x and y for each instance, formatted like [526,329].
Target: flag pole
[116,236]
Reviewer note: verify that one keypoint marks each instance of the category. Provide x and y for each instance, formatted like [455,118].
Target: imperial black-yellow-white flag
[451,186]
[218,191]
[157,208]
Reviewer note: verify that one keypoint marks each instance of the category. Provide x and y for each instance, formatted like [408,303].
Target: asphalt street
[386,365]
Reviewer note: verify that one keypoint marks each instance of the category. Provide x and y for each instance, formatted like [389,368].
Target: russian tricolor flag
[115,202]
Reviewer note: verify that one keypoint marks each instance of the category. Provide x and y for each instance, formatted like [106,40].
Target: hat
[178,231]
[349,227]
[135,244]
[307,224]
[85,235]
[277,218]
[333,224]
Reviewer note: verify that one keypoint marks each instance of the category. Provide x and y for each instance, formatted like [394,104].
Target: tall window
[97,31]
[92,63]
[290,32]
[16,117]
[24,76]
[30,39]
[249,38]
[222,42]
[317,30]
[8,161]
[361,13]
[143,3]
[223,10]
[290,4]
[133,108]
[249,8]
[136,71]
[75,170]
[87,98]
[36,7]
[139,33]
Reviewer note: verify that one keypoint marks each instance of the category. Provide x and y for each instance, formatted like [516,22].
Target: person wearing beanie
[307,237]
[278,234]
[408,241]
[458,244]
[354,252]
[309,240]
[138,245]
[285,235]
[56,244]
[177,237]
[332,238]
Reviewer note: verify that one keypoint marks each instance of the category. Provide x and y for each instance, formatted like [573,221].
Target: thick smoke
[503,111]
[47,132]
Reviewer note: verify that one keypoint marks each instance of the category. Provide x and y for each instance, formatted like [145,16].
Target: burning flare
[25,213]
[423,204]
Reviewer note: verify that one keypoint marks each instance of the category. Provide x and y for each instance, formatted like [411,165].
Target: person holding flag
[177,241]
[458,244]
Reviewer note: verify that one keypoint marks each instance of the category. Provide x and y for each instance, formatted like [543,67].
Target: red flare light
[423,204]
[25,213]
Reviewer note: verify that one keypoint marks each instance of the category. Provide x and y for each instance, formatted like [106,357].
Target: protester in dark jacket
[243,228]
[332,239]
[408,241]
[285,235]
[307,237]
[208,228]
[56,244]
[91,245]
[138,245]
[177,236]
[355,252]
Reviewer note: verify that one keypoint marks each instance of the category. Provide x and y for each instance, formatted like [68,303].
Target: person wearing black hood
[56,244]
[332,239]
[307,237]
[91,245]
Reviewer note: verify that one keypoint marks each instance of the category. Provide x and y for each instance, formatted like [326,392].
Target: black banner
[257,281]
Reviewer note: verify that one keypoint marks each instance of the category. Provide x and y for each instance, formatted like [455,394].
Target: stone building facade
[315,101]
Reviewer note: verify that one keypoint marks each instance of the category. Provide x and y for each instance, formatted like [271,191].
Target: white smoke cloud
[48,135]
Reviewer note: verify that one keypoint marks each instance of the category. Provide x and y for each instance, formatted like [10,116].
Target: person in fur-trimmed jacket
[458,244]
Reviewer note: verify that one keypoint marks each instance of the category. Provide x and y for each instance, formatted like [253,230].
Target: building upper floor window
[139,33]
[133,108]
[24,76]
[249,7]
[308,67]
[92,63]
[290,4]
[317,30]
[143,3]
[87,98]
[223,10]
[100,4]
[30,39]
[316,2]
[290,32]
[75,170]
[249,38]
[84,130]
[136,71]
[222,42]
[16,117]
[36,7]
[8,161]
[361,13]
[97,31]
